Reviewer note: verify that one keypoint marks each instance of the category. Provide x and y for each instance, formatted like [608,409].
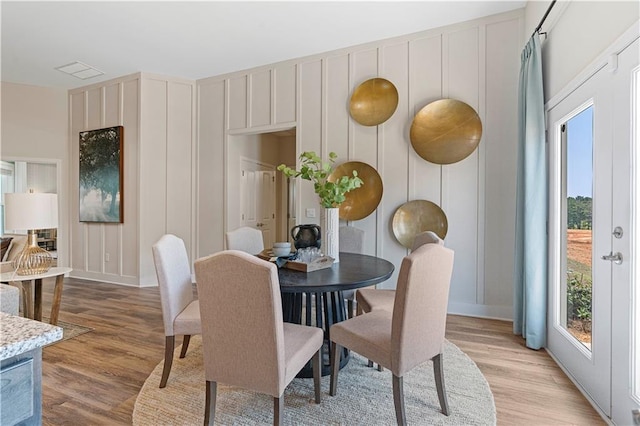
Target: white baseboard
[504,313]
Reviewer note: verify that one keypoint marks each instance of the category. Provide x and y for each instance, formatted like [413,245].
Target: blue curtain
[530,278]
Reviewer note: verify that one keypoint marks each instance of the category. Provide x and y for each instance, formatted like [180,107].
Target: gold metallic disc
[418,216]
[363,201]
[446,131]
[373,102]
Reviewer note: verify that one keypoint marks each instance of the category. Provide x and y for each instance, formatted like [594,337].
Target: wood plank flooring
[94,379]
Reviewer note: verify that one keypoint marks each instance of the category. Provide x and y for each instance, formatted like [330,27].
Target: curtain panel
[530,278]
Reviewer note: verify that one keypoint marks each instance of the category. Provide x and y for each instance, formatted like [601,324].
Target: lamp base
[33,259]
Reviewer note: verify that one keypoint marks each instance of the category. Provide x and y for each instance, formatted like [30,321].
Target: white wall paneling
[284,94]
[309,131]
[153,168]
[129,234]
[363,142]
[237,98]
[77,240]
[476,62]
[157,115]
[260,98]
[460,180]
[500,125]
[111,234]
[210,170]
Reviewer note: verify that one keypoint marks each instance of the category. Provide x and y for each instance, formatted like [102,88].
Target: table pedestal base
[319,310]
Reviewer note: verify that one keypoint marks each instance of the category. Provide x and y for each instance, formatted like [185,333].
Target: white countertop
[19,335]
[52,272]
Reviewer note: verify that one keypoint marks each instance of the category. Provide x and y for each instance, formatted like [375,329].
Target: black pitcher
[306,236]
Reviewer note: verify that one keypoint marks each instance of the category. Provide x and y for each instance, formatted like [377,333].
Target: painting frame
[100,175]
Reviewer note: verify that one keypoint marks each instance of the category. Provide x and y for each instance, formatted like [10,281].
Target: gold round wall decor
[418,216]
[446,131]
[363,201]
[373,102]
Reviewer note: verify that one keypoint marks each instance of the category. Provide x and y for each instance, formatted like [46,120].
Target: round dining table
[316,298]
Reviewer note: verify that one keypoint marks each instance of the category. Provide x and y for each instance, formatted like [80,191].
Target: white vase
[330,224]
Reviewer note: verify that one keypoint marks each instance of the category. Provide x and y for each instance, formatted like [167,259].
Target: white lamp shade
[26,211]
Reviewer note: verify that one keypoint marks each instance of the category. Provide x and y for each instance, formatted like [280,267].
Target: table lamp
[31,211]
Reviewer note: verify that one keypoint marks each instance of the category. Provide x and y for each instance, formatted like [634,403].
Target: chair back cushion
[351,239]
[245,239]
[426,237]
[174,278]
[420,307]
[242,326]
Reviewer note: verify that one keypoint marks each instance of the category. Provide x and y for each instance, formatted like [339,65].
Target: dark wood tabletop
[353,271]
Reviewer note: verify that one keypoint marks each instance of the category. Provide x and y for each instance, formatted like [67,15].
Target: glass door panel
[578,141]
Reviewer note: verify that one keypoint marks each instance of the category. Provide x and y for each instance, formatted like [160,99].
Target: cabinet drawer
[16,392]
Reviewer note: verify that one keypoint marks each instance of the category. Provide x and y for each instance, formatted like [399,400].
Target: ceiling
[194,40]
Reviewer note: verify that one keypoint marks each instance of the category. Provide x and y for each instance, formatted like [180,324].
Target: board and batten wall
[159,121]
[476,62]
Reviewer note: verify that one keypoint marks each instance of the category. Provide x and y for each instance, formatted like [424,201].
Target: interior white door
[580,158]
[266,199]
[258,198]
[594,136]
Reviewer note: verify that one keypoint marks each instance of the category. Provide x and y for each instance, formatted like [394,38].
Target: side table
[32,306]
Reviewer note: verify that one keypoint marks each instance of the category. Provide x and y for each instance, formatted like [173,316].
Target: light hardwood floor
[94,378]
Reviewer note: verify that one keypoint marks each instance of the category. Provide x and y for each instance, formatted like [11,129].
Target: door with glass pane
[593,234]
[580,228]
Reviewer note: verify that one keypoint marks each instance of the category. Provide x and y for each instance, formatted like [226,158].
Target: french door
[593,234]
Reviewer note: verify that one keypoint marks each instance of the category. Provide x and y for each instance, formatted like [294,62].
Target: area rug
[364,396]
[69,330]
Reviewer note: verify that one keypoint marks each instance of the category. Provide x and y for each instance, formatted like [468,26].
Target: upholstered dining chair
[410,335]
[245,239]
[180,311]
[351,240]
[368,299]
[245,341]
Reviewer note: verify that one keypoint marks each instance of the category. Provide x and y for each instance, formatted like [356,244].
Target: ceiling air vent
[80,70]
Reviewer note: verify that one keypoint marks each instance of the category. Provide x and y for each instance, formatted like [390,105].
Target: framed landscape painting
[101,175]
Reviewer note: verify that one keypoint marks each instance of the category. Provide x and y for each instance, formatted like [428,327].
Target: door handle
[259,225]
[613,257]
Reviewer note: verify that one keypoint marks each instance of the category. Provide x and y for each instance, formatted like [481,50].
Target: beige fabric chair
[245,341]
[351,240]
[245,239]
[369,299]
[180,311]
[410,335]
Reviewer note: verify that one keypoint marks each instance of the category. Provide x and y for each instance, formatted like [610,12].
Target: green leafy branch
[331,193]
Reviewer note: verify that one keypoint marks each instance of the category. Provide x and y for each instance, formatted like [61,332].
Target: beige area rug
[364,396]
[69,330]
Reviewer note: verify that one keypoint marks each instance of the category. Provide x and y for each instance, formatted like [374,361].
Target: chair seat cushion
[301,342]
[368,334]
[188,321]
[371,299]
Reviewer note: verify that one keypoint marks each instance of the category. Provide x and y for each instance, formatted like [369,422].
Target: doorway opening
[256,190]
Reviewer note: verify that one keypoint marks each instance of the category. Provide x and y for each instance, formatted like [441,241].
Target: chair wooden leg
[169,344]
[317,373]
[398,401]
[335,366]
[438,372]
[210,403]
[185,345]
[380,368]
[350,308]
[278,407]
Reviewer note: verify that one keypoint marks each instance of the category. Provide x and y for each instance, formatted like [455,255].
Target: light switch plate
[311,212]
